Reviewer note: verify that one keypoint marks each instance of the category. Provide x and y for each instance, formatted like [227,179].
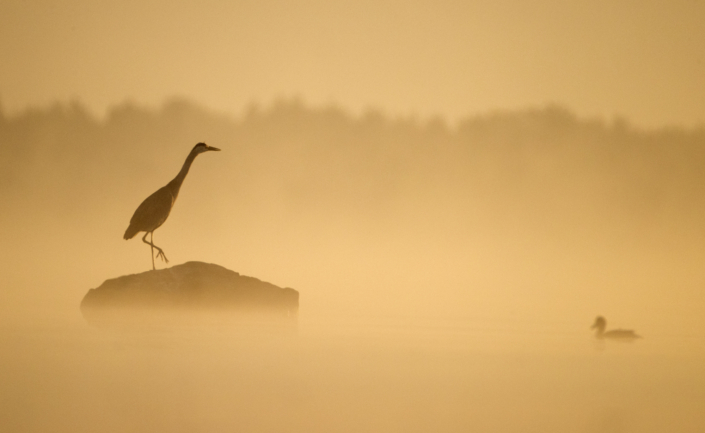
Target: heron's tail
[131,232]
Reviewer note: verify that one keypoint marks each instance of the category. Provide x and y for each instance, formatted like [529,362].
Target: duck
[614,334]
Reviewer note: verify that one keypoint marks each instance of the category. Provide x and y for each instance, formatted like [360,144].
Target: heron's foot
[161,255]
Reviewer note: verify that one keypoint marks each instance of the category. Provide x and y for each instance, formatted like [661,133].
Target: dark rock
[193,287]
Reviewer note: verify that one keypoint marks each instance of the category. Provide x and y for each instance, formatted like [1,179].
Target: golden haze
[447,275]
[451,247]
[642,60]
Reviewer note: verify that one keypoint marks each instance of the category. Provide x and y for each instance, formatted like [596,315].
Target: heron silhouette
[155,209]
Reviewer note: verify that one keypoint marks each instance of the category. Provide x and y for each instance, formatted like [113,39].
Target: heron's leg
[144,239]
[160,252]
[151,241]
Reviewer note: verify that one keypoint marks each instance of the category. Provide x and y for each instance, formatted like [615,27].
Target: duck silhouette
[614,334]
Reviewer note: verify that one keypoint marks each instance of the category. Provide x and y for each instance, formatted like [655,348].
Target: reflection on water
[342,376]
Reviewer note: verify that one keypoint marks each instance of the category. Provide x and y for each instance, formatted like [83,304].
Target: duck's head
[600,324]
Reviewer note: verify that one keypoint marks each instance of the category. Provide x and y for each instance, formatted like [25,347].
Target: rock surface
[190,287]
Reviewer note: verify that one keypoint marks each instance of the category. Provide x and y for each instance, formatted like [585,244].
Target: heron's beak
[213,148]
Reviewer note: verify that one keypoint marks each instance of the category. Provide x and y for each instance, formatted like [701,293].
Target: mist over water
[448,274]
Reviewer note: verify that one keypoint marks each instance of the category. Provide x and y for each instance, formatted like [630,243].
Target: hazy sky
[641,59]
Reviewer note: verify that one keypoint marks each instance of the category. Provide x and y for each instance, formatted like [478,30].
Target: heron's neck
[175,185]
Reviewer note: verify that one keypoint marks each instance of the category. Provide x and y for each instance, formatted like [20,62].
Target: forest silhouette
[544,169]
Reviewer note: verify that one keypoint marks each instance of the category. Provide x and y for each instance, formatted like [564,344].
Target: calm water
[345,375]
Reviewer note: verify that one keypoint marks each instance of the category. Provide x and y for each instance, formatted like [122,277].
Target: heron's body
[615,334]
[152,213]
[155,209]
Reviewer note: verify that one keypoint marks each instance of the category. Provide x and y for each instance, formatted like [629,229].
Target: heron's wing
[152,213]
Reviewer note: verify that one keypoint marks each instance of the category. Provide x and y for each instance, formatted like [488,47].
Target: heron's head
[203,147]
[600,323]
